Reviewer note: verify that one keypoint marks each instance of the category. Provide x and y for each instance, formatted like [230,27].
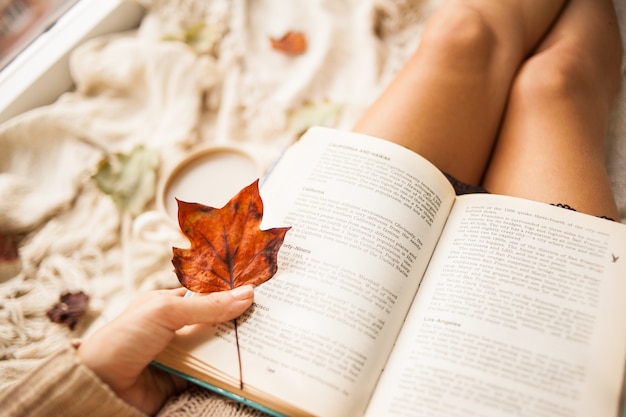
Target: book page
[521,313]
[365,217]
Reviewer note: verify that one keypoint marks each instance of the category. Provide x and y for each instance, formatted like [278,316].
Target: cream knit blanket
[224,86]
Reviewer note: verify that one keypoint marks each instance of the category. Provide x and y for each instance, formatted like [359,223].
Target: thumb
[217,307]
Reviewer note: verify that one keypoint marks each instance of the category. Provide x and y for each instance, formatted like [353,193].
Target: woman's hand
[121,351]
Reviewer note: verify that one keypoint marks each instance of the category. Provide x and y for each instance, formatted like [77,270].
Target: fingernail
[243,293]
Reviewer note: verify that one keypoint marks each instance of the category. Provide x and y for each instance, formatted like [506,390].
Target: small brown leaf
[8,248]
[70,308]
[292,43]
[10,263]
[228,248]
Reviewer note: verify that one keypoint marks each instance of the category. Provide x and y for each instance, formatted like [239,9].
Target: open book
[394,297]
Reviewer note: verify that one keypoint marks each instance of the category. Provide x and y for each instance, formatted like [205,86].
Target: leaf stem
[238,355]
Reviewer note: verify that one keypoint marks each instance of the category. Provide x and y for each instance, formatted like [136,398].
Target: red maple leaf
[228,248]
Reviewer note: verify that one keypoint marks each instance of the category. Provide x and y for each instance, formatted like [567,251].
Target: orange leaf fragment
[292,43]
[228,248]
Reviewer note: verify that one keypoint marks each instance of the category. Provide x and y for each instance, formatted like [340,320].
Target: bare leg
[448,101]
[552,142]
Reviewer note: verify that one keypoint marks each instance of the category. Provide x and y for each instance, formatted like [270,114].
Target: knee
[568,72]
[460,36]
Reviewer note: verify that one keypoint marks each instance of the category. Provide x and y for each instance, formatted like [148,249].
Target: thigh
[552,141]
[447,102]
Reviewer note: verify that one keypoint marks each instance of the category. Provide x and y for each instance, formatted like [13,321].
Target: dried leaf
[10,264]
[130,179]
[8,248]
[292,43]
[228,248]
[70,308]
[314,114]
[202,38]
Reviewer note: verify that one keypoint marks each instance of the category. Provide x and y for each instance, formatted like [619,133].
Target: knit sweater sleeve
[62,386]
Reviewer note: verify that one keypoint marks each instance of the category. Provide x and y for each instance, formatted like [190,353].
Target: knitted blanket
[195,74]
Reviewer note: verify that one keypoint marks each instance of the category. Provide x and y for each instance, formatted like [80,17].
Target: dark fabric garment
[461,188]
[568,207]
